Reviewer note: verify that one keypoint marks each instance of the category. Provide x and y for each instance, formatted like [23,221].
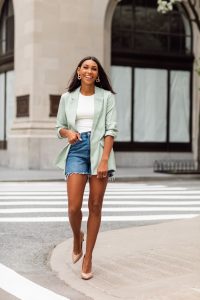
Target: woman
[87,119]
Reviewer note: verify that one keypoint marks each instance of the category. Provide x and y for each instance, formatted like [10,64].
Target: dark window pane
[137,26]
[156,22]
[139,2]
[176,44]
[3,31]
[150,20]
[150,42]
[126,40]
[116,18]
[139,18]
[10,8]
[125,3]
[176,24]
[150,3]
[10,34]
[116,41]
[127,17]
[7,28]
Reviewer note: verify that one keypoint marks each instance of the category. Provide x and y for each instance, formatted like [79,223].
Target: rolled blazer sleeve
[61,121]
[111,117]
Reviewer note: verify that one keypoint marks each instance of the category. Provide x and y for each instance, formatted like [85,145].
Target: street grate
[177,166]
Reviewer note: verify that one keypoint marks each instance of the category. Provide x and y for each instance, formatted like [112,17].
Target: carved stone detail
[54,102]
[22,106]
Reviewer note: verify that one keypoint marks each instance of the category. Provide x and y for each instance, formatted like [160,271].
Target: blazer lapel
[71,112]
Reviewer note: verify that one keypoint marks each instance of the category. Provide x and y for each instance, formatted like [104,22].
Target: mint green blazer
[104,123]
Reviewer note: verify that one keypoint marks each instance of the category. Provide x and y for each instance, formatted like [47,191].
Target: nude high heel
[76,257]
[86,276]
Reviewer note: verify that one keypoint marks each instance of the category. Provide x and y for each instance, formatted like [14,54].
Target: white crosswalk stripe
[47,202]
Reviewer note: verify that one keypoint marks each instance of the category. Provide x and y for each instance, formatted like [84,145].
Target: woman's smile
[89,77]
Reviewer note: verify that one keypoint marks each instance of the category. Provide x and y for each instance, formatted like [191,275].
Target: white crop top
[85,113]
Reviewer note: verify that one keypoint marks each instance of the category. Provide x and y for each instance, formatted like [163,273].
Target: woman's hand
[102,170]
[73,136]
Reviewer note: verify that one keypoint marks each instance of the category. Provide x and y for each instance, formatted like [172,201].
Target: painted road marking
[106,202]
[104,218]
[116,191]
[147,196]
[104,209]
[23,288]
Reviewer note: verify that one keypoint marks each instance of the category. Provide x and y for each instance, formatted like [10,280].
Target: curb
[157,178]
[117,179]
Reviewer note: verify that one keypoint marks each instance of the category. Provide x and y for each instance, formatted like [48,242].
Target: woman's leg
[97,190]
[75,190]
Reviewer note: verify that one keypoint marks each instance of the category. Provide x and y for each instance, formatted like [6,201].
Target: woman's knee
[95,207]
[73,210]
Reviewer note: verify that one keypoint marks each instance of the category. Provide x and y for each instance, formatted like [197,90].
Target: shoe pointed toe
[86,276]
[76,257]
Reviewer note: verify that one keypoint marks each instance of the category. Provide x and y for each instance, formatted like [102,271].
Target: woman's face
[88,72]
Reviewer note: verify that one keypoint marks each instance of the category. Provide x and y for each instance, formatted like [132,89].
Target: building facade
[150,58]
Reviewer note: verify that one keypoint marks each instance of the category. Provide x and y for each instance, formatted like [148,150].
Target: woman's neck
[87,90]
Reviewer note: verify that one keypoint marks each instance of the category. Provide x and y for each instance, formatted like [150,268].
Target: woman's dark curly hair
[104,81]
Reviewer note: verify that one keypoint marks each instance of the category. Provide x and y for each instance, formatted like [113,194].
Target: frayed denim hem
[111,176]
[81,173]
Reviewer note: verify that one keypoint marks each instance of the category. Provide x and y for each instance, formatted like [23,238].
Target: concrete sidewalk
[154,262]
[122,174]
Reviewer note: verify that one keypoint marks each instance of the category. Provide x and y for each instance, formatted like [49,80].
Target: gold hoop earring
[79,77]
[98,79]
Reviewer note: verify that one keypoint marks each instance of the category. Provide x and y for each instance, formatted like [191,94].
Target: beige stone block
[34,152]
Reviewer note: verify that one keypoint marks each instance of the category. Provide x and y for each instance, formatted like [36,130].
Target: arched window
[152,73]
[7,29]
[6,70]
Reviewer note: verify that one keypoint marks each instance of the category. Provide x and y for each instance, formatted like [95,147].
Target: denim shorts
[78,159]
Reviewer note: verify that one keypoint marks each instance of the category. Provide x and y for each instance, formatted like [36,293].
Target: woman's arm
[102,169]
[108,144]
